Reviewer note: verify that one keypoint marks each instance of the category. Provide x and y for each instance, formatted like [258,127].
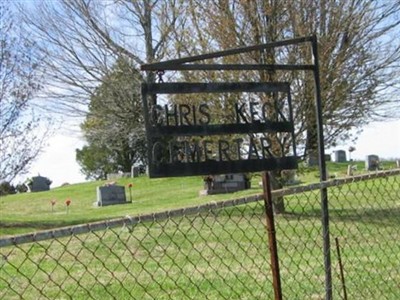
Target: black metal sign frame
[207,166]
[187,63]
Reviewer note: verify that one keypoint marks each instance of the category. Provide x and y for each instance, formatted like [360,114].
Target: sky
[57,160]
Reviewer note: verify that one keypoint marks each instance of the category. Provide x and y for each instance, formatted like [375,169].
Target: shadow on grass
[367,216]
[373,216]
[42,225]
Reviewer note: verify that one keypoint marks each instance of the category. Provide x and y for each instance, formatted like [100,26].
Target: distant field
[28,212]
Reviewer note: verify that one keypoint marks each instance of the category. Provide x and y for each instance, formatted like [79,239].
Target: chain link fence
[220,250]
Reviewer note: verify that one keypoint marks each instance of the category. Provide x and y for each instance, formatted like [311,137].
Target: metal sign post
[322,168]
[273,248]
[169,129]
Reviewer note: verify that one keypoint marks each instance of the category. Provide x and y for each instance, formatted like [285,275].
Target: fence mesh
[219,250]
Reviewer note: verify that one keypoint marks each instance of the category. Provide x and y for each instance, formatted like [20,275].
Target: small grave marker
[339,156]
[227,183]
[111,195]
[39,184]
[372,162]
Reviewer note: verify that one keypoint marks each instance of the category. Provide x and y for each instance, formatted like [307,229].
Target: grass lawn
[220,254]
[33,211]
[22,213]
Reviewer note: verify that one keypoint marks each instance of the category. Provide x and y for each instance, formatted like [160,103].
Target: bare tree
[83,38]
[20,78]
[359,48]
[359,58]
[359,55]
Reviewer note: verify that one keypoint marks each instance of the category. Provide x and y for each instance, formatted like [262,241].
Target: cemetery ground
[299,239]
[28,212]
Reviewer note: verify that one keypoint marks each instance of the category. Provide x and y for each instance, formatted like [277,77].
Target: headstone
[349,170]
[135,172]
[115,176]
[228,183]
[372,162]
[289,177]
[312,159]
[339,156]
[39,184]
[111,195]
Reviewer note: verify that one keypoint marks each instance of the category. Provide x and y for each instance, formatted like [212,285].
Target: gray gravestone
[39,184]
[229,183]
[372,162]
[339,156]
[289,177]
[135,172]
[312,159]
[110,195]
[119,175]
[351,169]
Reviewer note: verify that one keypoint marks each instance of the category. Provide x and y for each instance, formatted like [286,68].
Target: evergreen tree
[114,126]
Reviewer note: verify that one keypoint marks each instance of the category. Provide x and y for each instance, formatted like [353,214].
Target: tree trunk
[312,145]
[276,184]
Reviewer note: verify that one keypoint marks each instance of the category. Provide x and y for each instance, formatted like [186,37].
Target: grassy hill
[28,212]
[33,211]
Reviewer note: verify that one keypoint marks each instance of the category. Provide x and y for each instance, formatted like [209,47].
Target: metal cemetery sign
[216,128]
[201,133]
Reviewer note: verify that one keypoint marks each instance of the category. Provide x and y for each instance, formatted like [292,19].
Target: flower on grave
[53,202]
[130,191]
[68,203]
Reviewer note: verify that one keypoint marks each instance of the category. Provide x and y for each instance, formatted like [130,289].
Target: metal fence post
[322,168]
[269,215]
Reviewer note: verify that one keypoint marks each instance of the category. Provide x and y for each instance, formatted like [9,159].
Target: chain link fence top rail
[219,250]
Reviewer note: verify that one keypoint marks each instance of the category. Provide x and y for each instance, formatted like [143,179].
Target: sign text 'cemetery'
[199,139]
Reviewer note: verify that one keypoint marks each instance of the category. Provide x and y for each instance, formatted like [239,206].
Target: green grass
[224,254]
[22,213]
[33,211]
[219,254]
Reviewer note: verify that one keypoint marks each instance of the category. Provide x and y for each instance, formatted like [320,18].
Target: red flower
[130,185]
[68,202]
